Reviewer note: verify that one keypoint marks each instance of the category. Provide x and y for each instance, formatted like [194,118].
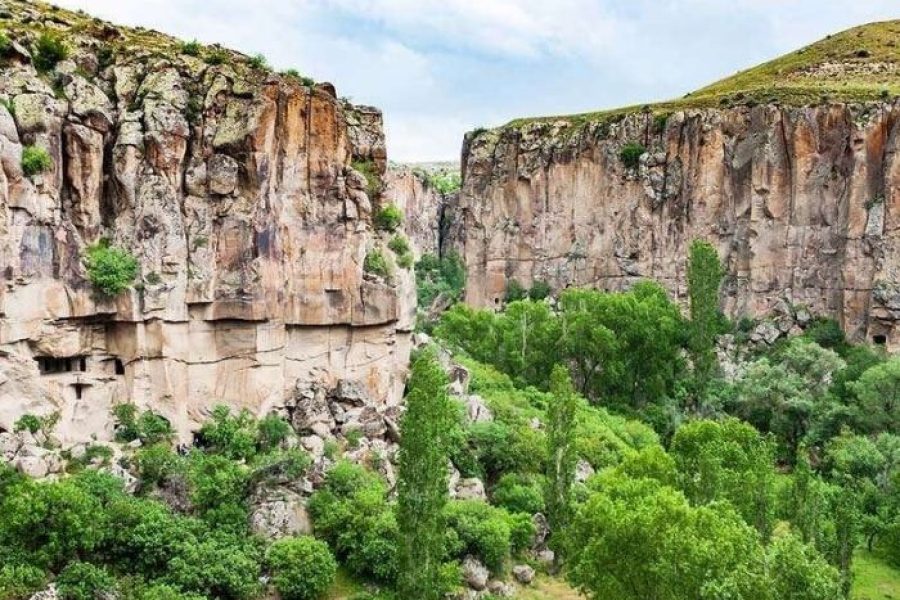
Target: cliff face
[232,187]
[802,203]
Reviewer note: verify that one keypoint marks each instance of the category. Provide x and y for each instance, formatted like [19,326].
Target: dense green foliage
[49,50]
[630,155]
[35,160]
[376,263]
[561,453]
[704,276]
[302,568]
[439,276]
[388,218]
[422,481]
[110,270]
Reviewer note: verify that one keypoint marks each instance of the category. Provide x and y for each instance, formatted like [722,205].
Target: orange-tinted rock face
[802,203]
[233,188]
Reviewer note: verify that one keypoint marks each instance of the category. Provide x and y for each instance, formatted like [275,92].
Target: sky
[438,68]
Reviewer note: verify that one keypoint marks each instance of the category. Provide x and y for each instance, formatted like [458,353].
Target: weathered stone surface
[523,574]
[280,513]
[470,488]
[802,203]
[229,184]
[474,573]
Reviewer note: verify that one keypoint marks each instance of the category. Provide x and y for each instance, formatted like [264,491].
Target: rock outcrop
[422,207]
[802,203]
[233,188]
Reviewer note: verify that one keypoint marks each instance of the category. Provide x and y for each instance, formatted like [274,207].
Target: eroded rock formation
[802,203]
[231,185]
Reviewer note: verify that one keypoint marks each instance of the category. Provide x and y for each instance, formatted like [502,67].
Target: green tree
[731,461]
[704,276]
[302,568]
[797,572]
[422,480]
[561,455]
[639,540]
[878,397]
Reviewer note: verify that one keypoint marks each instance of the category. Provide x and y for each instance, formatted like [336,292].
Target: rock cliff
[233,188]
[801,198]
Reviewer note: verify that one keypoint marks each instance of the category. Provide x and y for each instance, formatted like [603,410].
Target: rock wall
[422,207]
[802,203]
[232,187]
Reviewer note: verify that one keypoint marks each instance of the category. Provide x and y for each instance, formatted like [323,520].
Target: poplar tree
[704,278]
[422,480]
[562,458]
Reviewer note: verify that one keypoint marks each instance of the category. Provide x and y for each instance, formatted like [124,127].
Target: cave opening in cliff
[79,390]
[49,365]
[879,340]
[120,366]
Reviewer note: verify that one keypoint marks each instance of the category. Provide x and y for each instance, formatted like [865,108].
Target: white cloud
[440,67]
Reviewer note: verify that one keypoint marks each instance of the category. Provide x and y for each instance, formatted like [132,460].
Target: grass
[874,579]
[548,588]
[857,65]
[344,587]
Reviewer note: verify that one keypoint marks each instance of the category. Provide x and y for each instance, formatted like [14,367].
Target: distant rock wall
[233,188]
[803,205]
[422,207]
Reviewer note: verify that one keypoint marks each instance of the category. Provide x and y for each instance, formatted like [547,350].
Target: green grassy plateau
[857,65]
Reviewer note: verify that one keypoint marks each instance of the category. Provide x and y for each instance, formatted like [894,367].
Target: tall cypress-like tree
[562,459]
[704,278]
[422,480]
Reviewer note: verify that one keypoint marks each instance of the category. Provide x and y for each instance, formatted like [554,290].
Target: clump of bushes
[439,275]
[376,264]
[84,581]
[191,48]
[111,270]
[488,532]
[302,568]
[352,514]
[35,160]
[443,182]
[148,427]
[399,245]
[368,170]
[388,218]
[49,51]
[258,61]
[630,155]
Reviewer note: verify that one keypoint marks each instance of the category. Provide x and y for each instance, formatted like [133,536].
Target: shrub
[111,270]
[35,160]
[155,464]
[48,51]
[5,44]
[84,581]
[630,155]
[388,218]
[302,568]
[515,291]
[258,61]
[233,436]
[519,494]
[369,170]
[827,333]
[215,480]
[217,566]
[481,530]
[376,264]
[444,182]
[18,582]
[539,290]
[406,261]
[271,431]
[216,57]
[439,275]
[28,422]
[150,428]
[399,245]
[352,514]
[191,48]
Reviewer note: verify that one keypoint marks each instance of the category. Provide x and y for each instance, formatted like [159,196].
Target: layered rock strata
[803,205]
[232,187]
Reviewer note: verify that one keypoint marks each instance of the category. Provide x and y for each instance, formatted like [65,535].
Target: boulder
[523,574]
[470,488]
[474,573]
[583,470]
[280,513]
[500,589]
[476,410]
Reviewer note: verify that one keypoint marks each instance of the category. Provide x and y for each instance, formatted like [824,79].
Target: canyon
[249,199]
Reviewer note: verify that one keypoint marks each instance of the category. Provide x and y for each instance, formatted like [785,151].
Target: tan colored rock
[802,204]
[230,187]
